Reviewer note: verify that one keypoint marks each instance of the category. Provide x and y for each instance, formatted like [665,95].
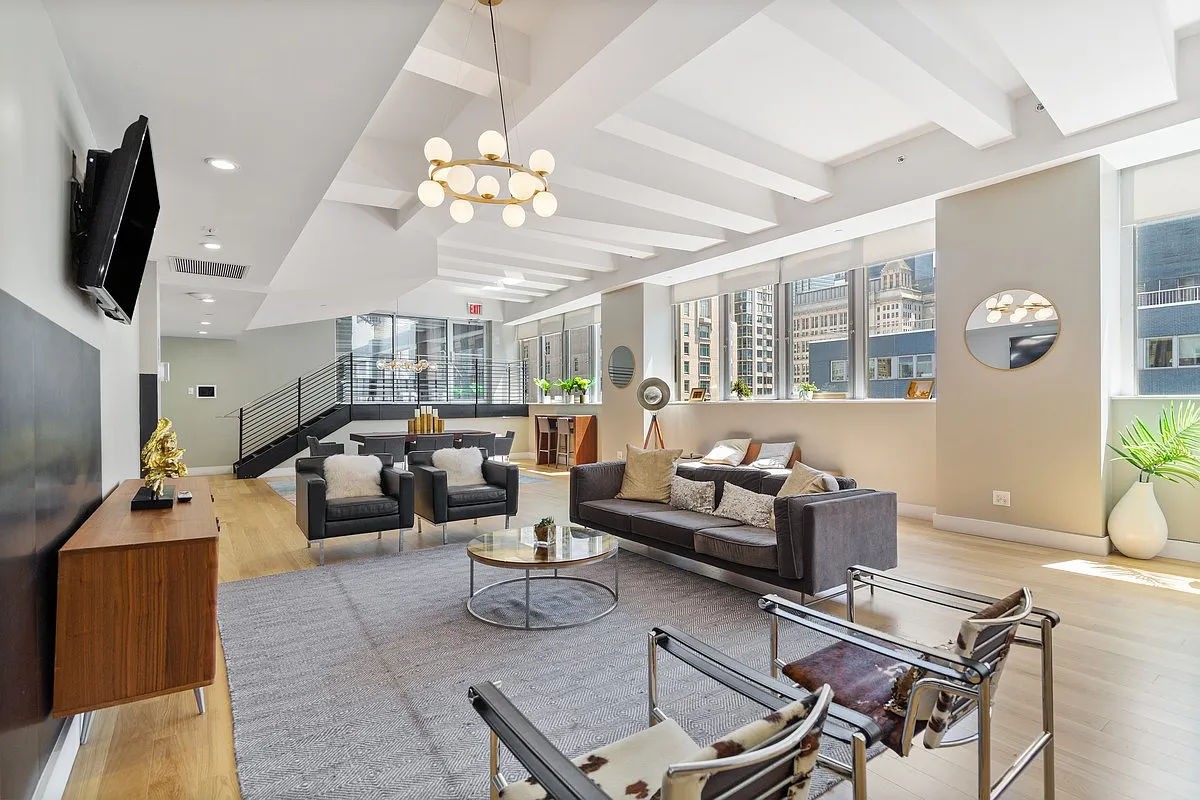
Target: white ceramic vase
[1137,525]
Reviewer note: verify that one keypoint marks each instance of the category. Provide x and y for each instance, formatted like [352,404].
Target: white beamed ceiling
[687,143]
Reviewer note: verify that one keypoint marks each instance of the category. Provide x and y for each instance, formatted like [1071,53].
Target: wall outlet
[191,390]
[620,455]
[1000,498]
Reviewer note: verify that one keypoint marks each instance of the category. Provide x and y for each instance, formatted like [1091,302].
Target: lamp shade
[544,204]
[653,394]
[461,211]
[514,216]
[461,179]
[522,185]
[541,161]
[491,144]
[438,149]
[488,187]
[431,193]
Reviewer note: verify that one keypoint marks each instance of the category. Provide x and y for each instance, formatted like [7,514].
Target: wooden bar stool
[565,429]
[545,441]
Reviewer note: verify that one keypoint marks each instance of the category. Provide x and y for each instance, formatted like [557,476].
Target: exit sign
[475,309]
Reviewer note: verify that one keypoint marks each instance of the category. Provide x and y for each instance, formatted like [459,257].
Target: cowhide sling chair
[907,687]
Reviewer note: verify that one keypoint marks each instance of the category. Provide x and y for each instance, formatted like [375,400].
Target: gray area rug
[350,680]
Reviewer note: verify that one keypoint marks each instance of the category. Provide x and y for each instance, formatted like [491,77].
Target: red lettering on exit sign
[475,309]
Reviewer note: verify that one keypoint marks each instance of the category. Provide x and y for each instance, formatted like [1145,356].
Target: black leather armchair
[439,503]
[322,519]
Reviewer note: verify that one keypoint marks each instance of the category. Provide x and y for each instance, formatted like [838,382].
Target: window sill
[1195,397]
[814,402]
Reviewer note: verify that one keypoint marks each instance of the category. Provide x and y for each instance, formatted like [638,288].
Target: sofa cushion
[675,526]
[648,474]
[727,451]
[689,495]
[615,514]
[471,495]
[463,465]
[745,506]
[741,544]
[745,477]
[360,507]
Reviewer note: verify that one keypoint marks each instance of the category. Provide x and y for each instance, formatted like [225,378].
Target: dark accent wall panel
[147,406]
[49,484]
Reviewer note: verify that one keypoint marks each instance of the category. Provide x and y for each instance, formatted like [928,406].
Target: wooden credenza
[137,603]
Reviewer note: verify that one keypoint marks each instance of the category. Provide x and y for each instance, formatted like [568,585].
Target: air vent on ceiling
[216,269]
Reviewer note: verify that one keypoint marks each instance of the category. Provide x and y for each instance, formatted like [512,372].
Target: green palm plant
[1172,452]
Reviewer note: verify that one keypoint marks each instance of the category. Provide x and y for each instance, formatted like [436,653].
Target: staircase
[277,425]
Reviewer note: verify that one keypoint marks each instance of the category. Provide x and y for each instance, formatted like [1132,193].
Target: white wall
[1037,432]
[243,369]
[41,123]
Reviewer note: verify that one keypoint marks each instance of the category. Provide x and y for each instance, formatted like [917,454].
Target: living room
[513,399]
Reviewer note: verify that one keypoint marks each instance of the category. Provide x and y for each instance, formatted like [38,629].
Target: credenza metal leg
[199,692]
[444,533]
[321,549]
[85,728]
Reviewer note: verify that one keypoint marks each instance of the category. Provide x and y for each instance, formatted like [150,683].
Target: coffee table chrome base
[614,592]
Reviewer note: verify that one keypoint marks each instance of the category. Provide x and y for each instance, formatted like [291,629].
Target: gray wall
[245,368]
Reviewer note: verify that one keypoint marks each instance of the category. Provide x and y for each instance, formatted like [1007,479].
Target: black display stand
[145,499]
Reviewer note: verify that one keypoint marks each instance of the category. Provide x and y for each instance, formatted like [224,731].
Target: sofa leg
[308,544]
[418,524]
[505,522]
[475,522]
[444,533]
[321,550]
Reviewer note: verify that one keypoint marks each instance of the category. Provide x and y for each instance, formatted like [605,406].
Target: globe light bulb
[488,187]
[491,145]
[1036,299]
[522,185]
[438,149]
[461,210]
[431,193]
[1006,300]
[545,204]
[541,161]
[1044,313]
[514,216]
[1019,314]
[461,179]
[994,316]
[991,302]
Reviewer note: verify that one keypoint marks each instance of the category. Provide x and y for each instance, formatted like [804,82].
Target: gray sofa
[816,538]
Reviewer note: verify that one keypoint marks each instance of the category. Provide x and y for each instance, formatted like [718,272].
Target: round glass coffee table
[570,546]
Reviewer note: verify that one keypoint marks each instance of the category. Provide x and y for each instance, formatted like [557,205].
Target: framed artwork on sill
[921,389]
[698,394]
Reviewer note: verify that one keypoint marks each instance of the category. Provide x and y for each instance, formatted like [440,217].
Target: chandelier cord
[499,82]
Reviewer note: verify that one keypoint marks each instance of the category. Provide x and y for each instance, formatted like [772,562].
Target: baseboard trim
[1181,550]
[280,472]
[53,782]
[210,470]
[1077,542]
[521,456]
[914,511]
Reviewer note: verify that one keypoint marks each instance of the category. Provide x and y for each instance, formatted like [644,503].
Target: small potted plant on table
[807,390]
[542,531]
[740,390]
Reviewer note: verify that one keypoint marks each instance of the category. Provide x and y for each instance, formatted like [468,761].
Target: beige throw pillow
[648,474]
[806,480]
[746,506]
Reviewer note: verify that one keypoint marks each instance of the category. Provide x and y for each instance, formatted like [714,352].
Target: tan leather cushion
[803,480]
[648,474]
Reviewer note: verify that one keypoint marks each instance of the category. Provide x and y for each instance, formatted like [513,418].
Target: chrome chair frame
[947,672]
[565,781]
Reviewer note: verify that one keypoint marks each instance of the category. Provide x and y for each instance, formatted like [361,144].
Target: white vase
[1137,525]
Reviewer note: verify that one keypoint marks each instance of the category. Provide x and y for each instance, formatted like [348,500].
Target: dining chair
[565,434]
[484,441]
[504,444]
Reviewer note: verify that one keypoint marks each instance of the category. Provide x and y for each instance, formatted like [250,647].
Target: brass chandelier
[454,177]
[392,364]
[999,305]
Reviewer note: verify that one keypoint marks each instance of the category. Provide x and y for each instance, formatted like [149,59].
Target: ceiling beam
[581,240]
[478,292]
[456,50]
[468,279]
[585,205]
[1089,62]
[504,265]
[667,126]
[484,240]
[513,278]
[886,44]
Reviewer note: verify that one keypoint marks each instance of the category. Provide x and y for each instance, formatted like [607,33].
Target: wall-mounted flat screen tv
[118,211]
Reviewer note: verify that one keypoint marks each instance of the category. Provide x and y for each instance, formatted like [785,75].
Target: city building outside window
[901,302]
[1168,305]
[697,345]
[820,314]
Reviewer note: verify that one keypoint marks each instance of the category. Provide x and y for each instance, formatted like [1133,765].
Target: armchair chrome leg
[774,646]
[494,765]
[444,533]
[419,527]
[1048,708]
[199,693]
[652,676]
[321,550]
[984,745]
[85,727]
[506,522]
[380,536]
[858,780]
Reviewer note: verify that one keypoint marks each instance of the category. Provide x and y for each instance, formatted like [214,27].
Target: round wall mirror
[1012,329]
[620,366]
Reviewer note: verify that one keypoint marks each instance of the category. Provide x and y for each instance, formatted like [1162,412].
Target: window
[924,366]
[694,343]
[820,313]
[753,327]
[552,356]
[900,322]
[1168,305]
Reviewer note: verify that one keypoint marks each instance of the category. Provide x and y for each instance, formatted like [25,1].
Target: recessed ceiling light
[209,240]
[223,164]
[205,322]
[202,333]
[203,297]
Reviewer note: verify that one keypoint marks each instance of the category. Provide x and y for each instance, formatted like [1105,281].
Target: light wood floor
[1127,663]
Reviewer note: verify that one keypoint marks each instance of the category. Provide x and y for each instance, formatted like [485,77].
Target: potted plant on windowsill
[806,390]
[544,385]
[740,390]
[1137,525]
[575,386]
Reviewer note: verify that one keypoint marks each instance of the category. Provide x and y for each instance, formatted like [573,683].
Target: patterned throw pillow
[688,495]
[746,506]
[774,456]
[727,451]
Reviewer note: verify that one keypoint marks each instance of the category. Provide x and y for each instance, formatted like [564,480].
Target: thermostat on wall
[206,391]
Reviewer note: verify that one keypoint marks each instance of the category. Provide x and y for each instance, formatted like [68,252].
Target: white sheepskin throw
[463,466]
[352,476]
